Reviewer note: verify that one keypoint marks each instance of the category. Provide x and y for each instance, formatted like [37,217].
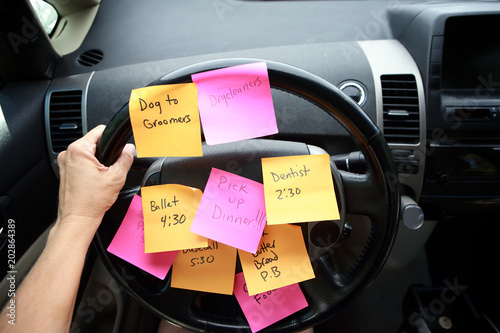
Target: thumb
[124,162]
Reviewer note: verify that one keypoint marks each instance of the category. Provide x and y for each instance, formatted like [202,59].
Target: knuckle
[61,157]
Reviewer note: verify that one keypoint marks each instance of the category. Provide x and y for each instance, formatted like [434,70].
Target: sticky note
[231,211]
[262,310]
[209,269]
[299,189]
[281,260]
[128,244]
[169,211]
[235,103]
[165,120]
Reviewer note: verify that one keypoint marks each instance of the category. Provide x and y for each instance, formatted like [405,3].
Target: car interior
[403,95]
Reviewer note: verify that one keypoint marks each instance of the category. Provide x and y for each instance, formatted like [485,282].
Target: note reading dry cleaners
[165,120]
[235,103]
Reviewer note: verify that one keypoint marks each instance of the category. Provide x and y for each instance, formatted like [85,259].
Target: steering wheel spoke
[362,193]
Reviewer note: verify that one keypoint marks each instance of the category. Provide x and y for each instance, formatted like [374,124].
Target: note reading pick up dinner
[232,211]
[299,189]
[169,211]
[281,260]
[235,103]
[128,243]
[165,120]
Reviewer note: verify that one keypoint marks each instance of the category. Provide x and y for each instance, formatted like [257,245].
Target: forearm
[45,300]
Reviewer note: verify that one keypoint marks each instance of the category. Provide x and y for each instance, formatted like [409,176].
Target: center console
[461,71]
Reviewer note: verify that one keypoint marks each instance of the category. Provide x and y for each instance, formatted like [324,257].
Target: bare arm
[46,298]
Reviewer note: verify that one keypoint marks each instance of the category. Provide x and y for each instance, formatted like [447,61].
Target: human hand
[87,187]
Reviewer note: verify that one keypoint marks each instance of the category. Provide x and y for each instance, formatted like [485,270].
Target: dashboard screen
[467,163]
[471,53]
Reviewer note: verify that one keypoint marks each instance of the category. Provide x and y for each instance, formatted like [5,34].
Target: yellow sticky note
[169,211]
[280,260]
[209,269]
[299,189]
[165,120]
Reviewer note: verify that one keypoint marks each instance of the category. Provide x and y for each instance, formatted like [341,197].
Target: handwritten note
[299,189]
[235,103]
[128,243]
[165,120]
[231,211]
[209,269]
[264,309]
[281,260]
[169,211]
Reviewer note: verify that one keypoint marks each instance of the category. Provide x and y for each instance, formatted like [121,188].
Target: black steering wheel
[373,193]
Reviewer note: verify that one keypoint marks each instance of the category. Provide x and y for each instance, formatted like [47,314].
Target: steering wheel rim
[378,186]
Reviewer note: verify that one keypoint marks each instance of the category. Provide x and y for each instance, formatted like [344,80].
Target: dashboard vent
[90,58]
[401,109]
[65,118]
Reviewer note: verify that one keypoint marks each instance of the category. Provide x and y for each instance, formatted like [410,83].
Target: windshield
[46,14]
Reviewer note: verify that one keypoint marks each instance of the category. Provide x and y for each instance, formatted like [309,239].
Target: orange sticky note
[169,211]
[209,269]
[165,120]
[280,260]
[299,189]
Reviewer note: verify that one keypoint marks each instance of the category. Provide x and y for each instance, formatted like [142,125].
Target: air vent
[90,58]
[401,110]
[65,116]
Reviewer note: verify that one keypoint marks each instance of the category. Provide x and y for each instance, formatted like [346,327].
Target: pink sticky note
[128,243]
[262,310]
[235,103]
[231,211]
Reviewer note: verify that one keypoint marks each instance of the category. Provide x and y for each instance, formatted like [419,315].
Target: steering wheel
[373,193]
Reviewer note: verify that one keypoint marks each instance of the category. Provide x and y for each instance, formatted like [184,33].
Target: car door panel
[27,183]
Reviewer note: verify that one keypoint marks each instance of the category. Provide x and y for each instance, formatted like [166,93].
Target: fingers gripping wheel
[373,194]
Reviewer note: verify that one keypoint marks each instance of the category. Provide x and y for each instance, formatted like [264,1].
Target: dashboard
[428,75]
